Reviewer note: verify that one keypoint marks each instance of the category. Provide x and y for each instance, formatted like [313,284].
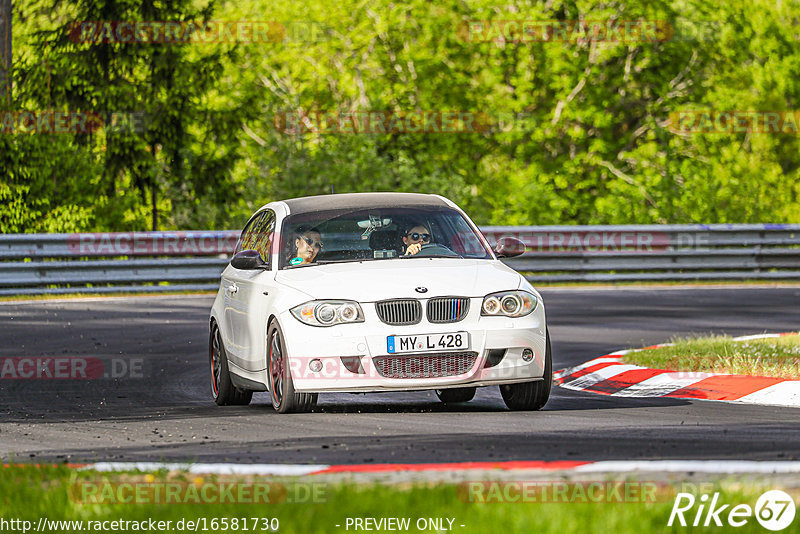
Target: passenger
[307,245]
[413,239]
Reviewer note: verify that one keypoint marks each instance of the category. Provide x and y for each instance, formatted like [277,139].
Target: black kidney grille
[434,365]
[447,309]
[399,311]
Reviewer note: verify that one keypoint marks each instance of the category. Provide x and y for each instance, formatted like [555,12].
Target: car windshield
[379,234]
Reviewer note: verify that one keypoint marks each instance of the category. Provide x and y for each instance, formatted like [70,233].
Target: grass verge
[774,357]
[29,493]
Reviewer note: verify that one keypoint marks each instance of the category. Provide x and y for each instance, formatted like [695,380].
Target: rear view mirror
[509,247]
[248,260]
[374,222]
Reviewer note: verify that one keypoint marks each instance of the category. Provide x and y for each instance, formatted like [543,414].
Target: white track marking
[663,384]
[683,466]
[756,336]
[590,363]
[110,298]
[594,377]
[780,394]
[612,466]
[620,353]
[216,469]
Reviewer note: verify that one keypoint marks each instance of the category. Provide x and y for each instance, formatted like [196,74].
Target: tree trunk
[155,208]
[5,51]
[154,188]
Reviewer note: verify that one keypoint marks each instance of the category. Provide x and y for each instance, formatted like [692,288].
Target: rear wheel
[455,395]
[281,388]
[222,389]
[531,395]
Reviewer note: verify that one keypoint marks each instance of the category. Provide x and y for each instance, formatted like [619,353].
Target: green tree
[162,127]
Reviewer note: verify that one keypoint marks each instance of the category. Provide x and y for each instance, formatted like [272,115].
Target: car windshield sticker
[296,261]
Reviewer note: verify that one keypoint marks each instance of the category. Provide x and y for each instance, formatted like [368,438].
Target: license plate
[427,342]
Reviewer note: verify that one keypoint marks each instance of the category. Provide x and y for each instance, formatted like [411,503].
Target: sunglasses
[416,237]
[312,243]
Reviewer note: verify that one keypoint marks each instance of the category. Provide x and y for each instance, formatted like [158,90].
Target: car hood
[371,281]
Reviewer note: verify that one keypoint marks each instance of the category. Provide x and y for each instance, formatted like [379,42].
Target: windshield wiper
[322,262]
[433,256]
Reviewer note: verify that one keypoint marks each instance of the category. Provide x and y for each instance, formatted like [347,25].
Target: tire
[222,389]
[528,396]
[449,396]
[281,389]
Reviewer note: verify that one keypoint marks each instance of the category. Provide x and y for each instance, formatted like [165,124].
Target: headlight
[509,304]
[328,312]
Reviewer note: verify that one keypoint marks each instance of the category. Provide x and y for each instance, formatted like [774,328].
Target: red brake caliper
[276,364]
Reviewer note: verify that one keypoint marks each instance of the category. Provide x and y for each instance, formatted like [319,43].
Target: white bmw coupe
[370,292]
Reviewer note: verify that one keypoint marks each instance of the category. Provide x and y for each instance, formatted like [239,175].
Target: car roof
[355,201]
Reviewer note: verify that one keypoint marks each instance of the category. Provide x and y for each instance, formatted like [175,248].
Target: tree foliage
[591,140]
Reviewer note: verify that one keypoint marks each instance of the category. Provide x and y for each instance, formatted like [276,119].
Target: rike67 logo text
[774,510]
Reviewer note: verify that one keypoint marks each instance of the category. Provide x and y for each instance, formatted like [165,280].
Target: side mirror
[509,247]
[248,260]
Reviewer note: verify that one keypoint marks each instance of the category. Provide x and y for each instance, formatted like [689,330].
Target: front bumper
[360,343]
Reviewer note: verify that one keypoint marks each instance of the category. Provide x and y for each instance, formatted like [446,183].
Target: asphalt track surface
[166,413]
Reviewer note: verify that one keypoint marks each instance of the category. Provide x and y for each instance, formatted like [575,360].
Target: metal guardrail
[168,261]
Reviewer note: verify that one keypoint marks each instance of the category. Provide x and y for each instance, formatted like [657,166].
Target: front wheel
[531,395]
[448,396]
[281,388]
[222,388]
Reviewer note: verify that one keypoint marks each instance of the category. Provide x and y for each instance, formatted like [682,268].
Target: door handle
[232,289]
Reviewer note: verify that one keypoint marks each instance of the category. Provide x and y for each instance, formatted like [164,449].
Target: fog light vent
[527,355]
[353,364]
[493,357]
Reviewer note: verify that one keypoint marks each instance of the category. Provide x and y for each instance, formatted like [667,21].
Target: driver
[307,244]
[416,236]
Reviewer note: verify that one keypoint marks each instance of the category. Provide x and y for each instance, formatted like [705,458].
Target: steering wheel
[433,249]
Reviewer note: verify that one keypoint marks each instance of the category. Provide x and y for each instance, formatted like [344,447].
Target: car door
[234,315]
[252,296]
[262,292]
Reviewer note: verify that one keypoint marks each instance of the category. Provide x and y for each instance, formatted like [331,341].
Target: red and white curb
[612,466]
[608,375]
[322,469]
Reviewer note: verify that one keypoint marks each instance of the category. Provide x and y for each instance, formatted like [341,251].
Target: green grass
[29,493]
[775,357]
